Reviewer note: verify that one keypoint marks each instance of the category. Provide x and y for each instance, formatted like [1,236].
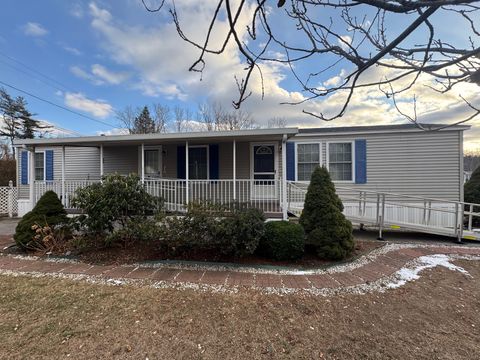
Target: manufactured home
[264,168]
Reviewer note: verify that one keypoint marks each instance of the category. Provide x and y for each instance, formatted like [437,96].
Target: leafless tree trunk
[127,116]
[277,122]
[161,117]
[206,116]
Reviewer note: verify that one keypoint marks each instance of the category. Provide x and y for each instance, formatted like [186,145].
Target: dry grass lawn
[436,317]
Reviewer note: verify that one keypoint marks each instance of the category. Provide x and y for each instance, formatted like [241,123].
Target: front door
[264,171]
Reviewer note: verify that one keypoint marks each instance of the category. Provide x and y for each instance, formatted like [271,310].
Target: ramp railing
[399,211]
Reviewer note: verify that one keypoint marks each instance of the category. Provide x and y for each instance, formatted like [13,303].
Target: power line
[35,71]
[55,104]
[33,76]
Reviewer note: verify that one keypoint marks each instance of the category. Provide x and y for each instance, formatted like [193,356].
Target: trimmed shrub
[48,211]
[241,232]
[207,227]
[325,226]
[196,230]
[283,240]
[113,204]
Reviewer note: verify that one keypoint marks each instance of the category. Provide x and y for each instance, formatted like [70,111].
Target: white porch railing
[64,191]
[262,194]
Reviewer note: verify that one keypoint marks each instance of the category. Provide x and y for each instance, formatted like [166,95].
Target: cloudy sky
[97,57]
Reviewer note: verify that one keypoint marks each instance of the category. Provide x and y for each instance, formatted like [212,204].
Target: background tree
[472,188]
[471,160]
[143,123]
[161,117]
[373,44]
[277,122]
[18,121]
[126,117]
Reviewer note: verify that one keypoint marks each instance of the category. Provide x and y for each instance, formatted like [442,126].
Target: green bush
[48,211]
[472,194]
[207,227]
[196,230]
[241,231]
[325,226]
[115,203]
[472,188]
[283,240]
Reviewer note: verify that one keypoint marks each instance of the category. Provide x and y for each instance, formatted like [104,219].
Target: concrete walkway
[366,271]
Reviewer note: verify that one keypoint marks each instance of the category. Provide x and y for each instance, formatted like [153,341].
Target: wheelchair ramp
[399,212]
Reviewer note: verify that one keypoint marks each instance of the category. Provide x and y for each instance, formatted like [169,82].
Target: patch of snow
[406,274]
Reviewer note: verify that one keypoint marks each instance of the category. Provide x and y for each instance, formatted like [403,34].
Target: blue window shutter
[213,161]
[181,162]
[360,161]
[291,161]
[48,165]
[24,168]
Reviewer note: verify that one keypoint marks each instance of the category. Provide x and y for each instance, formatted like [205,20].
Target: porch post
[31,175]
[234,162]
[187,189]
[101,162]
[142,156]
[284,178]
[63,176]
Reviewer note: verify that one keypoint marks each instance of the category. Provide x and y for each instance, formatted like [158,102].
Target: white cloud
[111,77]
[99,75]
[72,50]
[77,10]
[347,40]
[34,29]
[98,108]
[162,60]
[115,131]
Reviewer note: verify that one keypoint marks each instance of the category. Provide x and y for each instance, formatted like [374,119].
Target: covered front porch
[225,168]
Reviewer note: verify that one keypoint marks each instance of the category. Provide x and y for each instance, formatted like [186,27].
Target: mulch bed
[148,252]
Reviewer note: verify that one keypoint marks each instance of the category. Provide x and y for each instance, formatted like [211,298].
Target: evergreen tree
[325,226]
[17,120]
[143,123]
[8,111]
[472,188]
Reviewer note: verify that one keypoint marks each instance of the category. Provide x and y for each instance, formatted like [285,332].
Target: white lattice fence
[8,200]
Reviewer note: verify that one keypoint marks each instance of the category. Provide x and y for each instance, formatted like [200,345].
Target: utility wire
[32,75]
[56,105]
[35,71]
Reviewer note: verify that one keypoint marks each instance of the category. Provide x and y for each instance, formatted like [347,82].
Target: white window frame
[160,157]
[296,156]
[208,161]
[44,165]
[353,159]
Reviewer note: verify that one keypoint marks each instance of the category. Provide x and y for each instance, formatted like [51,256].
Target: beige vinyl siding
[81,163]
[120,159]
[415,163]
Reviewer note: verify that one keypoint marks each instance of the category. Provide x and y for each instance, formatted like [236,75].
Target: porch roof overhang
[151,139]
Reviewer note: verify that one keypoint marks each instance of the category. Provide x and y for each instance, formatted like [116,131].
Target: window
[198,163]
[40,166]
[152,162]
[340,161]
[308,158]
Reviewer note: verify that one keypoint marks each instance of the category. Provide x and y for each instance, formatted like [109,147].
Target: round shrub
[283,240]
[241,231]
[48,211]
